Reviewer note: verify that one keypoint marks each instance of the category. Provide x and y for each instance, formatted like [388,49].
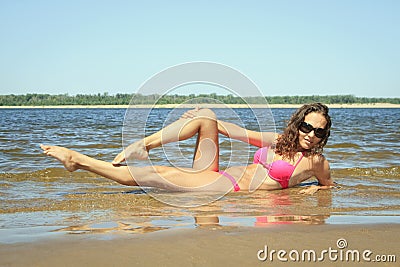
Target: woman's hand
[314,188]
[190,114]
[310,190]
[136,150]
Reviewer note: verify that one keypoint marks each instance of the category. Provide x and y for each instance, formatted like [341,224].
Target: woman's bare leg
[155,176]
[206,154]
[207,149]
[73,160]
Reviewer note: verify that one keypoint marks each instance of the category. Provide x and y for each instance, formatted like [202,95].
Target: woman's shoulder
[318,159]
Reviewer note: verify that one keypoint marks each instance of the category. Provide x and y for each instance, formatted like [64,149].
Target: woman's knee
[208,113]
[127,179]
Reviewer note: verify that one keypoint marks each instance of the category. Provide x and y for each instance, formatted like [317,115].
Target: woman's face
[309,140]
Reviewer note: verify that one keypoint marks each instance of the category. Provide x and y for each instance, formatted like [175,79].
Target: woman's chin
[306,146]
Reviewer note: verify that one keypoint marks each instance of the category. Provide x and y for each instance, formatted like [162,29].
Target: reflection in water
[110,227]
[290,219]
[281,206]
[262,209]
[259,221]
[153,224]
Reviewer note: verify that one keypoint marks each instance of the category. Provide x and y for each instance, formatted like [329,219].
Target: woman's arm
[323,174]
[234,131]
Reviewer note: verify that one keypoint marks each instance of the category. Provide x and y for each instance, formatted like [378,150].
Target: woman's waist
[255,176]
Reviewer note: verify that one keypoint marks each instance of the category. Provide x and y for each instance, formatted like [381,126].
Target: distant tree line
[139,99]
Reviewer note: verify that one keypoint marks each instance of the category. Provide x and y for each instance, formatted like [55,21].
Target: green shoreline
[359,105]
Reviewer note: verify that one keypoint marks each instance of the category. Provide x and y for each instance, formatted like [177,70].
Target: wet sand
[210,245]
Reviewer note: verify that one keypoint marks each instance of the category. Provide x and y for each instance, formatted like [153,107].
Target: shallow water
[38,196]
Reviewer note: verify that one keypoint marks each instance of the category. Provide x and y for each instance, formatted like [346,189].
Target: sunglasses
[307,128]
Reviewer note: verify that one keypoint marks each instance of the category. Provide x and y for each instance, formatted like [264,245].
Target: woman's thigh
[181,179]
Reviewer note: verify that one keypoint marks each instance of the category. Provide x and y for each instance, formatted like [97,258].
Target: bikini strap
[300,158]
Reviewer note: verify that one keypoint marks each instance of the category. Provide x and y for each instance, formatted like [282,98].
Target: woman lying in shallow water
[295,155]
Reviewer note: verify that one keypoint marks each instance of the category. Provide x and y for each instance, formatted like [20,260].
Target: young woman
[294,156]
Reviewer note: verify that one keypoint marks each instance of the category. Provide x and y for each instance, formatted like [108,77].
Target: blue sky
[285,47]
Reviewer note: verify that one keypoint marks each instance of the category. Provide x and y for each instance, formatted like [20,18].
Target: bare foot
[62,154]
[136,150]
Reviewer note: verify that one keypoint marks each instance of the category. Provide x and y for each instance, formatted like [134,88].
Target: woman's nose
[311,134]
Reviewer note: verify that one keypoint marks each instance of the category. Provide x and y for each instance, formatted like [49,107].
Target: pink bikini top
[279,170]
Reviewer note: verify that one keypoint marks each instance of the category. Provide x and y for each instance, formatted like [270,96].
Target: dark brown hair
[287,144]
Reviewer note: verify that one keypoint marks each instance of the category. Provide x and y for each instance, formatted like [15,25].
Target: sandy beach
[215,246]
[374,105]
